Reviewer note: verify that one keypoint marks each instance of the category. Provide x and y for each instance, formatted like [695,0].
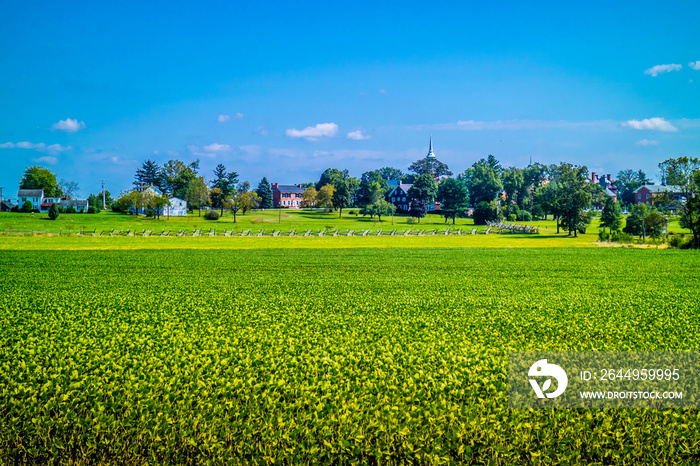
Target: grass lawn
[270,219]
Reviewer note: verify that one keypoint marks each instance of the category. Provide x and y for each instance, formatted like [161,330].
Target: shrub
[411,220]
[617,236]
[485,212]
[92,210]
[679,242]
[512,217]
[150,213]
[212,215]
[71,210]
[27,206]
[526,216]
[53,212]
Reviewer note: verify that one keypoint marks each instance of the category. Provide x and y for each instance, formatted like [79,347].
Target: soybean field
[308,356]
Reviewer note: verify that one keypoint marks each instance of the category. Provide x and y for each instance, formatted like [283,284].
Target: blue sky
[92,89]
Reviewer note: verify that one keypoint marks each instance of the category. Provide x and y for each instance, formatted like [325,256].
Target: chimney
[593,178]
[609,178]
[275,185]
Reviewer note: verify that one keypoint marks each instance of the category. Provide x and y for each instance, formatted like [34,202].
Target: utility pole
[104,204]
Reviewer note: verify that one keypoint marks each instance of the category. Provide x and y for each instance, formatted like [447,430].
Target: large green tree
[483,180]
[573,197]
[424,189]
[390,173]
[690,218]
[177,177]
[453,197]
[379,208]
[372,188]
[611,217]
[513,181]
[197,194]
[432,167]
[681,172]
[344,187]
[264,192]
[243,202]
[38,177]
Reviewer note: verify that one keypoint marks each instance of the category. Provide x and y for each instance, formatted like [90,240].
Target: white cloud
[656,70]
[47,159]
[357,135]
[57,148]
[312,133]
[69,125]
[30,145]
[472,125]
[261,131]
[655,124]
[40,146]
[647,142]
[217,148]
[209,151]
[224,118]
[695,65]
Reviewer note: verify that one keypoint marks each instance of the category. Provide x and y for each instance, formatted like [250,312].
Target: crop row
[313,356]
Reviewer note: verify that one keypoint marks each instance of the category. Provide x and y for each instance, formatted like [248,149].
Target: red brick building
[287,195]
[645,194]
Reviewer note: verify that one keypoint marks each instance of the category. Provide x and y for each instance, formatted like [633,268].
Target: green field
[12,223]
[358,355]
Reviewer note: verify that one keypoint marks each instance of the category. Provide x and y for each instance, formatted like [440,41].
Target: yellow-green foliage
[329,356]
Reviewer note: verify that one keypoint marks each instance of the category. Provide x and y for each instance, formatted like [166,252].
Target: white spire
[431,154]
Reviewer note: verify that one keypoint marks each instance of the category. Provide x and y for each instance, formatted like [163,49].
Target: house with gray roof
[287,195]
[35,196]
[646,193]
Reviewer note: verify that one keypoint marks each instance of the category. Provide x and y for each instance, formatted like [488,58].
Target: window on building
[393,199]
[639,196]
[404,199]
[647,195]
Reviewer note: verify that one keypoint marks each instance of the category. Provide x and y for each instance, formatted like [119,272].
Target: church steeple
[431,154]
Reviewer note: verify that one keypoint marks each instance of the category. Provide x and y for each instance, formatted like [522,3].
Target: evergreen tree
[225,182]
[53,212]
[149,174]
[264,192]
